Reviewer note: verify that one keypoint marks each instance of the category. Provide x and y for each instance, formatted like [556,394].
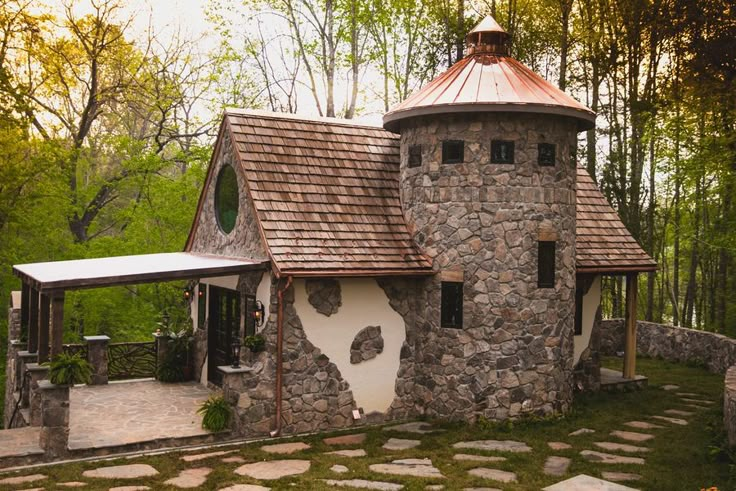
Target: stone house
[447,265]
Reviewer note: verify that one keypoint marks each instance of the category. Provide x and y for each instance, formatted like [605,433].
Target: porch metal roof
[127,270]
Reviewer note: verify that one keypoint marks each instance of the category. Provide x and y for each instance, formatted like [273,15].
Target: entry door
[224,325]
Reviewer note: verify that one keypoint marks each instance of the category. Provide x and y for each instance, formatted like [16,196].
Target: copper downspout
[280,355]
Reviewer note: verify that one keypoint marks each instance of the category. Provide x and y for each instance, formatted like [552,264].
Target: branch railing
[124,360]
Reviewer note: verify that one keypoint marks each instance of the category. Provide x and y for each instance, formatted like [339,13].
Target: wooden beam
[630,326]
[43,328]
[57,324]
[25,298]
[33,321]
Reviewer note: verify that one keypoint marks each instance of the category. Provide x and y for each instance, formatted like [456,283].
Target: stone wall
[677,344]
[729,405]
[11,364]
[482,221]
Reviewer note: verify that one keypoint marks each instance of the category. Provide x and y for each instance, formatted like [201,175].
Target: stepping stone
[477,458]
[273,469]
[587,483]
[23,479]
[355,439]
[674,421]
[643,425]
[607,458]
[556,466]
[414,427]
[72,484]
[493,474]
[620,476]
[559,445]
[364,484]
[340,469]
[434,487]
[285,448]
[399,444]
[130,471]
[669,387]
[33,489]
[689,394]
[694,406]
[581,431]
[245,487]
[233,460]
[190,478]
[481,489]
[408,467]
[677,412]
[130,488]
[203,456]
[621,447]
[632,436]
[698,401]
[495,445]
[359,452]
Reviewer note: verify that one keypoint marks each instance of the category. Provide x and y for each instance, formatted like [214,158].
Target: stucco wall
[591,302]
[364,304]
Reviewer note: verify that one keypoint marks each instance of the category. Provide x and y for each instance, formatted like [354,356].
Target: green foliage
[176,365]
[255,343]
[216,414]
[66,369]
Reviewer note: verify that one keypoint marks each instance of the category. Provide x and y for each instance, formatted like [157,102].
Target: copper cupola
[487,79]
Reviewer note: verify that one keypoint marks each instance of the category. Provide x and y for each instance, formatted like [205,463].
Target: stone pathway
[20,442]
[670,387]
[643,425]
[559,445]
[233,460]
[698,401]
[364,484]
[495,445]
[621,447]
[607,458]
[556,466]
[632,436]
[190,478]
[493,474]
[587,483]
[354,439]
[130,488]
[419,427]
[130,471]
[245,487]
[677,412]
[674,421]
[72,484]
[620,476]
[203,456]
[285,448]
[339,469]
[273,469]
[581,431]
[408,467]
[23,479]
[400,444]
[477,458]
[349,453]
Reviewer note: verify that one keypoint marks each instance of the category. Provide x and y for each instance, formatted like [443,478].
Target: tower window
[451,306]
[453,151]
[415,155]
[546,154]
[546,264]
[578,311]
[502,152]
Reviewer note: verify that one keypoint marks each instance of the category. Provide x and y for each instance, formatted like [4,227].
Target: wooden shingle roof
[603,244]
[326,193]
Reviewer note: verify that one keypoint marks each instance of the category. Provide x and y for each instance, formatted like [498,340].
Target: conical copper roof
[487,80]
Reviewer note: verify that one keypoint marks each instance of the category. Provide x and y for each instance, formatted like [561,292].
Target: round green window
[226,199]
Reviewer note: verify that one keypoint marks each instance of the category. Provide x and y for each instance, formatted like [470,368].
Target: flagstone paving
[358,452]
[556,466]
[495,445]
[408,467]
[285,448]
[559,445]
[130,471]
[273,469]
[400,444]
[581,431]
[354,439]
[674,421]
[477,458]
[607,458]
[419,427]
[632,436]
[493,474]
[340,469]
[190,478]
[587,483]
[130,488]
[23,479]
[698,401]
[365,484]
[621,447]
[245,487]
[20,441]
[677,412]
[643,425]
[203,456]
[620,476]
[72,484]
[233,460]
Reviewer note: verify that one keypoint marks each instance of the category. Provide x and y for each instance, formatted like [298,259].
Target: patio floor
[124,413]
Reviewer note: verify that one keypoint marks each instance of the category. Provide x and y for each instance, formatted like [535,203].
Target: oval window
[226,199]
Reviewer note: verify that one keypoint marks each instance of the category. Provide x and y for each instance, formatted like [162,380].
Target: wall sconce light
[236,352]
[259,313]
[188,292]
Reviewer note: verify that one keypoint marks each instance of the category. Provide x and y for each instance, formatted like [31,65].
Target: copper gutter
[280,355]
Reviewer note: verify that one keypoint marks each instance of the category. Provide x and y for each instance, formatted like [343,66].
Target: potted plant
[216,413]
[66,369]
[255,343]
[176,364]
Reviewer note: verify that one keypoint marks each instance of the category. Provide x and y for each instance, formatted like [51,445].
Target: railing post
[97,357]
[162,348]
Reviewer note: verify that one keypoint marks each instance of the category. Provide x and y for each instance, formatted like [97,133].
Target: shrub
[175,365]
[66,369]
[216,414]
[255,343]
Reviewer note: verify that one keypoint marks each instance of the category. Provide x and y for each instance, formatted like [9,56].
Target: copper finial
[487,37]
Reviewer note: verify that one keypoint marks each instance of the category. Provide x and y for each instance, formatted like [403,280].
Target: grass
[682,458]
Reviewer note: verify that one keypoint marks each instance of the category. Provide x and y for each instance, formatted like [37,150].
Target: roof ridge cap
[301,117]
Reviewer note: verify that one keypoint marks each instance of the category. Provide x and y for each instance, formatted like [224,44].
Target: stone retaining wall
[729,405]
[677,344]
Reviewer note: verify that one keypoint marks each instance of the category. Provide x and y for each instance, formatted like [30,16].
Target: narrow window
[415,155]
[453,151]
[502,152]
[201,306]
[452,305]
[547,154]
[546,264]
[578,311]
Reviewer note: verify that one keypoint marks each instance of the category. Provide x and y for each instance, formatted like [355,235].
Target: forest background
[106,129]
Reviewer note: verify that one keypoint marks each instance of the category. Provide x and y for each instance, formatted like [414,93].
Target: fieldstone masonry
[54,419]
[324,295]
[97,357]
[368,344]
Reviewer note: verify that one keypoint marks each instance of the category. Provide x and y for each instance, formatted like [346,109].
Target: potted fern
[66,369]
[216,413]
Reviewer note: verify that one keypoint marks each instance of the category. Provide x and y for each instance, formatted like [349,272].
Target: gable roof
[326,195]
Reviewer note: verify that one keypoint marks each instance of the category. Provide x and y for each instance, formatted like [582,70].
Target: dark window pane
[226,199]
[546,265]
[415,156]
[453,151]
[502,152]
[202,306]
[452,305]
[578,311]
[547,154]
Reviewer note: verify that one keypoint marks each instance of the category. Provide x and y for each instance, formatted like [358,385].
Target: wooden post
[25,298]
[630,326]
[43,328]
[57,323]
[33,321]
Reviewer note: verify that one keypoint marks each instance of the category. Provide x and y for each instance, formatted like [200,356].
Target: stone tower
[488,191]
